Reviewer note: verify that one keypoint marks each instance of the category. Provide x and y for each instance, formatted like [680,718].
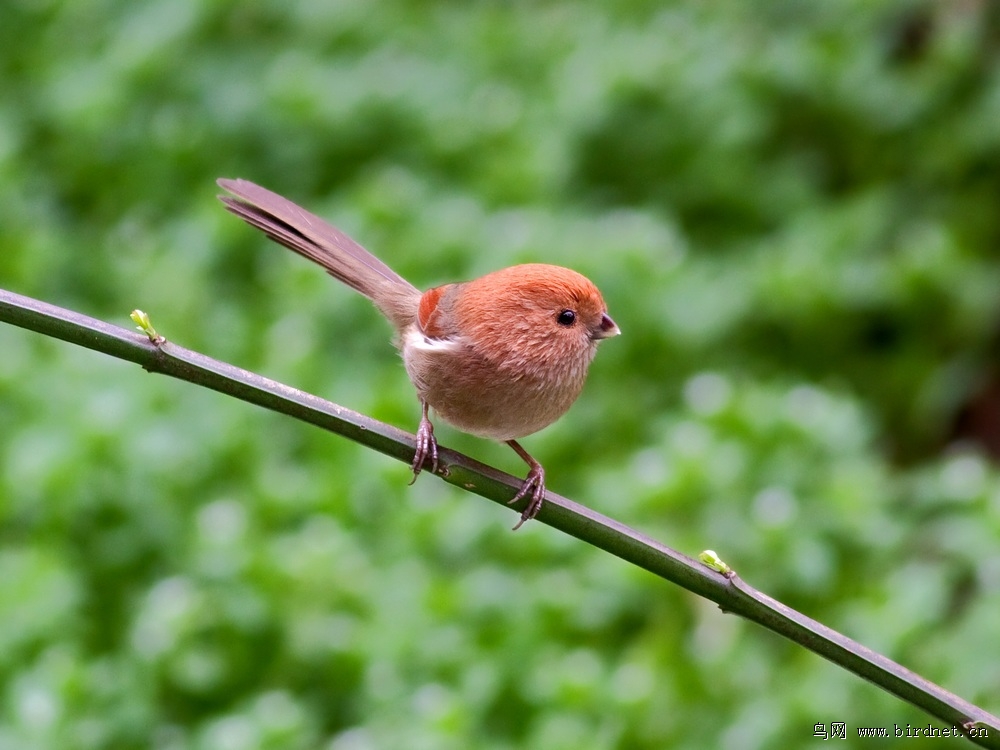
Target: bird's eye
[566,318]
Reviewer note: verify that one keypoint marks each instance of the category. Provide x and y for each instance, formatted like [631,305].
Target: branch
[715,581]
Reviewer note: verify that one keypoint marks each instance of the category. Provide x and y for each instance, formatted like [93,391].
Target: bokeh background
[793,210]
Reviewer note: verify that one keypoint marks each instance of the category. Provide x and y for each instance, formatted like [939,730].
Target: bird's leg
[427,446]
[534,483]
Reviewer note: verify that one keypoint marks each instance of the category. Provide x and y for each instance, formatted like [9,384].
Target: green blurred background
[792,211]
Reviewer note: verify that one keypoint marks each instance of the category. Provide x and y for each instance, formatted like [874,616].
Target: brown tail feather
[309,236]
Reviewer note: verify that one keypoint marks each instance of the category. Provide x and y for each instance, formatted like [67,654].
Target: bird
[500,357]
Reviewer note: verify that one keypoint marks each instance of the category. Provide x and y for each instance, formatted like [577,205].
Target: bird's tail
[308,235]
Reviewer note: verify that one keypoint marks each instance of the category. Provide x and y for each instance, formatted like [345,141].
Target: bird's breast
[500,399]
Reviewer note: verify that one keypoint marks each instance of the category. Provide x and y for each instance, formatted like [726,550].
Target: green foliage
[792,211]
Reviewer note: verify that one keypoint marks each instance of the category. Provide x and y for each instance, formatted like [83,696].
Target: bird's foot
[427,447]
[533,487]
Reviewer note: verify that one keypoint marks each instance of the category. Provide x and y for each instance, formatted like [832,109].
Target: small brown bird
[500,357]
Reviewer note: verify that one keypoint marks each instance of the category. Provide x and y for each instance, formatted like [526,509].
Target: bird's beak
[606,330]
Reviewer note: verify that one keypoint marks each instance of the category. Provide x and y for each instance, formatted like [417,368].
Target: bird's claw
[534,484]
[426,448]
